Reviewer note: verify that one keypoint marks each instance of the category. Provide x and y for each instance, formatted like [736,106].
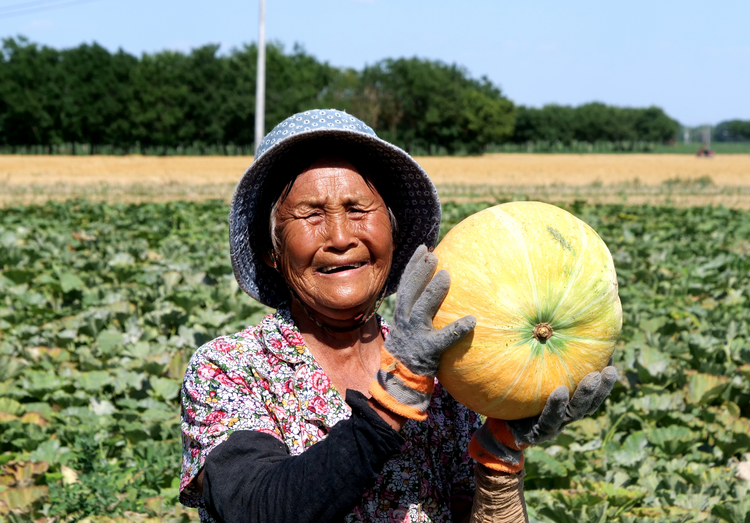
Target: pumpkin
[543,288]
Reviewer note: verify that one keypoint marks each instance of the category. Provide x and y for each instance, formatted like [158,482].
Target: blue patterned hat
[413,198]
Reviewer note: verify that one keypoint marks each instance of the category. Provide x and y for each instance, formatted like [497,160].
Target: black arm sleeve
[252,478]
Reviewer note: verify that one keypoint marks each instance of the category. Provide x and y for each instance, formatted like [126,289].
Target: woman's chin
[352,314]
[342,310]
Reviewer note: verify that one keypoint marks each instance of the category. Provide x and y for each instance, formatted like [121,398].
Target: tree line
[732,131]
[591,123]
[90,95]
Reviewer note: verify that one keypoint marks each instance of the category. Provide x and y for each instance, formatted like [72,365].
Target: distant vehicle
[705,152]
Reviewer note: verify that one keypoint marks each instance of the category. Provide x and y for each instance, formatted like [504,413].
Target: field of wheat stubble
[597,178]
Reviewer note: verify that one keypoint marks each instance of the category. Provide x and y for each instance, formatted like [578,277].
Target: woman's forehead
[327,178]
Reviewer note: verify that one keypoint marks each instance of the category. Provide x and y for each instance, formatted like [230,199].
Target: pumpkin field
[102,305]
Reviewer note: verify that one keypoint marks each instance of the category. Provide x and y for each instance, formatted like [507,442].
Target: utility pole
[260,79]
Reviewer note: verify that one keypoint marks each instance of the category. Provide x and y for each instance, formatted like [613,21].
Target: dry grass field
[632,178]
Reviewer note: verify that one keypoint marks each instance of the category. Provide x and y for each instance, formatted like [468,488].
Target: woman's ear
[269,259]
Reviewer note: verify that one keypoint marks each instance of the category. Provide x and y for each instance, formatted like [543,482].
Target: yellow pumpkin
[543,288]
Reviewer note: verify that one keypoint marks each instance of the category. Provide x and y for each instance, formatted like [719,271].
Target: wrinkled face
[335,242]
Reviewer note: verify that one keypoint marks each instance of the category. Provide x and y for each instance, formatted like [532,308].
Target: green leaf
[541,464]
[674,440]
[733,511]
[22,498]
[704,388]
[121,259]
[138,350]
[48,451]
[94,381]
[42,408]
[633,449]
[70,282]
[10,406]
[165,387]
[559,514]
[616,496]
[10,367]
[171,278]
[653,361]
[136,434]
[108,340]
[577,499]
[7,239]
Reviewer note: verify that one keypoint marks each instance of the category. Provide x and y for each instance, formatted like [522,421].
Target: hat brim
[415,205]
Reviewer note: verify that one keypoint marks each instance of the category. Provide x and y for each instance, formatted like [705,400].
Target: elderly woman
[323,411]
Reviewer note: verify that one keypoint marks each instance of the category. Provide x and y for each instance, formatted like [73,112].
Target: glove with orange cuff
[499,444]
[409,361]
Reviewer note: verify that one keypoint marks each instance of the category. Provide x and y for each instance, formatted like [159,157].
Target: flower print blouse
[265,379]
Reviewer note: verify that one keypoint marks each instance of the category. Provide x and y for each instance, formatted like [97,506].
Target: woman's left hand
[410,358]
[499,444]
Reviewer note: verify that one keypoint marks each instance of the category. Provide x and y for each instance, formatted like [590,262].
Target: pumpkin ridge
[576,272]
[514,228]
[572,323]
[512,385]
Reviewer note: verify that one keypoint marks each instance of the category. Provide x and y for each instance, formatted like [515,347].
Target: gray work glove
[409,361]
[499,444]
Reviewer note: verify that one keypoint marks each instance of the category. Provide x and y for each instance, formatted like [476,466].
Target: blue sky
[690,57]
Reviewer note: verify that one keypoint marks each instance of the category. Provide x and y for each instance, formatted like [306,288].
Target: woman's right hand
[499,444]
[409,361]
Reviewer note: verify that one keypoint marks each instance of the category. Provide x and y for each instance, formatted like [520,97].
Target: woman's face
[335,242]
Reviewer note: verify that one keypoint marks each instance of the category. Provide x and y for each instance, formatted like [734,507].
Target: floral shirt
[265,379]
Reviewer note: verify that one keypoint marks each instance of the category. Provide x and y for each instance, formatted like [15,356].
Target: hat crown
[314,120]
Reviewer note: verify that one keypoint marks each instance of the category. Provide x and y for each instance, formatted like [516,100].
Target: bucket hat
[411,196]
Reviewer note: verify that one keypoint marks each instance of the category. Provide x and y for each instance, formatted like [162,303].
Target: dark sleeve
[251,477]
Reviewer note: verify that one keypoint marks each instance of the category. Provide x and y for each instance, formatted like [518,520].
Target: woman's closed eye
[311,215]
[358,211]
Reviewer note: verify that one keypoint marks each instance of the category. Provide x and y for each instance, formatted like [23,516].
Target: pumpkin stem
[543,332]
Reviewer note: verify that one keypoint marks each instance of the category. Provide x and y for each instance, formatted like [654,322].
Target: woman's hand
[499,444]
[409,361]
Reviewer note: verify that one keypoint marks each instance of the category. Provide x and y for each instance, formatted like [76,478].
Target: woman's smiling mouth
[332,269]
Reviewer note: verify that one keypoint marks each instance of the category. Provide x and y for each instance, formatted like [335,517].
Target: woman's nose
[340,233]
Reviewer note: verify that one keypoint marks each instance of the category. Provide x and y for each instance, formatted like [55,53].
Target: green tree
[421,103]
[487,117]
[552,123]
[30,96]
[95,90]
[206,78]
[599,122]
[591,123]
[159,106]
[654,125]
[733,131]
[180,99]
[294,82]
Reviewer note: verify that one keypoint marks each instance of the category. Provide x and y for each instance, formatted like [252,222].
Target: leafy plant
[101,307]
